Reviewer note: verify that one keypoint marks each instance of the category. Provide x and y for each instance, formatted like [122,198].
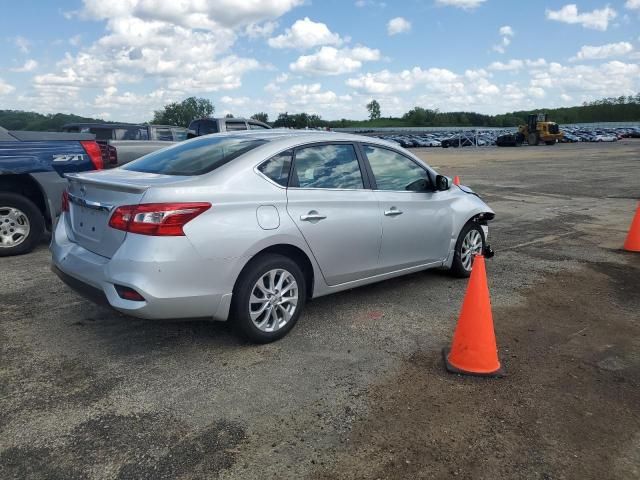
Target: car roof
[296,137]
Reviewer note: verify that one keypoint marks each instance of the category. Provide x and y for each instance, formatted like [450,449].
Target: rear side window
[277,168]
[196,157]
[179,134]
[328,166]
[234,126]
[257,126]
[164,134]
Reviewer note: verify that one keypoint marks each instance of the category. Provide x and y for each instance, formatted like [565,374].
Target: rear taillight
[65,202]
[157,219]
[93,150]
[112,156]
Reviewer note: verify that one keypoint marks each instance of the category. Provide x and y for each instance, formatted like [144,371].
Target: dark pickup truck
[32,169]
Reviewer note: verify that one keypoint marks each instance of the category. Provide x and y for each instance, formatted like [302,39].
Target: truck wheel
[533,139]
[550,142]
[21,225]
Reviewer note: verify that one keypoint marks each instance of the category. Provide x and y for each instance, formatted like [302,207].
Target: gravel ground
[358,390]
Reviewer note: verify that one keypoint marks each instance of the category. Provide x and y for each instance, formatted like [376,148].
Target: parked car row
[481,138]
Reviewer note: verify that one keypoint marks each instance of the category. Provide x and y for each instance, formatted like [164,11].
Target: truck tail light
[93,150]
[65,201]
[156,219]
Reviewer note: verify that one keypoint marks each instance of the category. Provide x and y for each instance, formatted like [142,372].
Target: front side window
[207,126]
[197,157]
[277,168]
[328,166]
[257,126]
[396,172]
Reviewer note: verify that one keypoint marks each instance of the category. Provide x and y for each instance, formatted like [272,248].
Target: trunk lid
[94,196]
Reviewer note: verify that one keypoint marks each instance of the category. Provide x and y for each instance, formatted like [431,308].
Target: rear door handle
[311,216]
[392,212]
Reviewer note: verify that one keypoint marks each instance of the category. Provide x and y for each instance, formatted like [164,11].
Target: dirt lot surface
[358,389]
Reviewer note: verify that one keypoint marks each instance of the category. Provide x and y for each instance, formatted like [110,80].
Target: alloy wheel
[273,300]
[471,245]
[14,227]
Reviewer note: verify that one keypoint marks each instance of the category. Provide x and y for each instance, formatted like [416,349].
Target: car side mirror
[442,183]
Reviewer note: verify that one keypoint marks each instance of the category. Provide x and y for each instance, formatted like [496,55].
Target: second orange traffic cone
[473,350]
[456,180]
[632,244]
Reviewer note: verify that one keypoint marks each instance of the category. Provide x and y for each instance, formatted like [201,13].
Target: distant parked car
[206,126]
[605,138]
[32,169]
[251,225]
[125,131]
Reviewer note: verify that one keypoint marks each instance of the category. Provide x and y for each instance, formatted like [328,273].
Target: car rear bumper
[172,288]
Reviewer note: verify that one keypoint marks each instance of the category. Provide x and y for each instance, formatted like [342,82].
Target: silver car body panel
[194,275]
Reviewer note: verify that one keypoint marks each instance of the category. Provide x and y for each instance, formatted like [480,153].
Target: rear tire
[470,241]
[21,225]
[550,142]
[268,298]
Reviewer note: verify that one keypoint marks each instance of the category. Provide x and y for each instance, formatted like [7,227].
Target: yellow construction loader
[538,129]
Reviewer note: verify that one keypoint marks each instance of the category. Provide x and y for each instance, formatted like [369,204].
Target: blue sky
[122,59]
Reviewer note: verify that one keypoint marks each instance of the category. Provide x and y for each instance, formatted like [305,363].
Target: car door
[338,215]
[417,221]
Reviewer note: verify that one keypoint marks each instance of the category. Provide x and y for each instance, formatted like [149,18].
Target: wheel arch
[25,185]
[290,251]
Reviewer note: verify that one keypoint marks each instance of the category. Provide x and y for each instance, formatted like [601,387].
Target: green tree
[261,117]
[374,109]
[182,113]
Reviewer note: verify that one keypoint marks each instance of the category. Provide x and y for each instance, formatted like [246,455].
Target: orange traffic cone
[456,180]
[632,244]
[473,350]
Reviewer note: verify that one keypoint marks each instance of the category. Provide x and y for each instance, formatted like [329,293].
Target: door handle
[311,216]
[392,212]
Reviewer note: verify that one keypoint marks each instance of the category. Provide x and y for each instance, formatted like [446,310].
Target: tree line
[611,109]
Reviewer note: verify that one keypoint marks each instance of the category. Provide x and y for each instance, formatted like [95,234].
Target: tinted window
[164,134]
[278,167]
[233,126]
[328,166]
[100,133]
[195,157]
[207,126]
[134,133]
[179,134]
[393,171]
[255,126]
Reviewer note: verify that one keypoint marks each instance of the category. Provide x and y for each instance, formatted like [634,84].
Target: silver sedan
[249,226]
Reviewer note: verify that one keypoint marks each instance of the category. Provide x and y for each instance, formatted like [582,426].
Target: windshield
[194,157]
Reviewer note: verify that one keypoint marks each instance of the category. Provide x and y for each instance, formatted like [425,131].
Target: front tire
[470,242]
[268,298]
[21,225]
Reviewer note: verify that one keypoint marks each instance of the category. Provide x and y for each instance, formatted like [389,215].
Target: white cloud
[398,25]
[5,88]
[464,4]
[22,43]
[334,61]
[507,33]
[263,30]
[305,34]
[29,66]
[597,19]
[511,65]
[632,4]
[75,40]
[235,101]
[589,52]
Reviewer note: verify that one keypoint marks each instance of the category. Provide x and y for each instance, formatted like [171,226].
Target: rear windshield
[194,157]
